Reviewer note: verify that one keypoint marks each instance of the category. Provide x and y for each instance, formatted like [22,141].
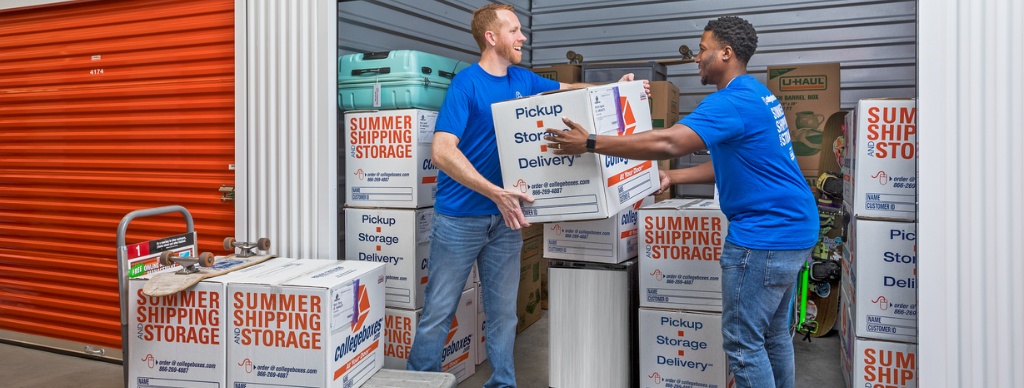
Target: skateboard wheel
[229,243]
[263,244]
[165,258]
[206,259]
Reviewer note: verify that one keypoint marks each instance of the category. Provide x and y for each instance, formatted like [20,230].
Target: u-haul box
[682,349]
[387,158]
[458,355]
[399,238]
[313,326]
[680,250]
[181,340]
[880,163]
[611,240]
[574,187]
[883,279]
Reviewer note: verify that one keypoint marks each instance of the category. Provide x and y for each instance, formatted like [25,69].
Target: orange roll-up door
[106,107]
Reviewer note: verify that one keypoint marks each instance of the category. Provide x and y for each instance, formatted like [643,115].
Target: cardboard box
[399,238]
[680,251]
[664,104]
[880,163]
[868,363]
[569,74]
[574,187]
[809,94]
[534,230]
[459,354]
[170,336]
[611,240]
[682,349]
[528,303]
[882,262]
[315,324]
[481,348]
[544,284]
[387,158]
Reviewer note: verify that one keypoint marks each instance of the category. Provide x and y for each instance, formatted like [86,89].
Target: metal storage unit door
[105,107]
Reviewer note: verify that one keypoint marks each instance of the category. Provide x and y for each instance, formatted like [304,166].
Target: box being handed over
[880,164]
[680,251]
[611,240]
[574,187]
[387,158]
[321,329]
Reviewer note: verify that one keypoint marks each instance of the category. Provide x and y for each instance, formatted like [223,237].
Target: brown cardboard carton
[534,230]
[569,74]
[528,305]
[809,94]
[664,104]
[544,283]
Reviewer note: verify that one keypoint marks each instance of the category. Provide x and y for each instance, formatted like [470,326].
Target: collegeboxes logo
[362,309]
[628,119]
[453,329]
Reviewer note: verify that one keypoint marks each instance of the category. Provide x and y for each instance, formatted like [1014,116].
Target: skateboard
[194,270]
[821,290]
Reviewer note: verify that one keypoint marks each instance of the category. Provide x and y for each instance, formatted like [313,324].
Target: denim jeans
[455,243]
[756,289]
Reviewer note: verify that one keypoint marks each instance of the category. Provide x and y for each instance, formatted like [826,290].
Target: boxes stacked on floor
[664,114]
[391,101]
[681,294]
[879,287]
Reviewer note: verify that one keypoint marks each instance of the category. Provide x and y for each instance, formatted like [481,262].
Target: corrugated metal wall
[289,125]
[972,176]
[106,107]
[873,40]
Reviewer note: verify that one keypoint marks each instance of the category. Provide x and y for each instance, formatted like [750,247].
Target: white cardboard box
[481,348]
[880,164]
[459,354]
[181,339]
[574,187]
[680,250]
[610,240]
[320,329]
[869,363]
[682,349]
[881,261]
[387,158]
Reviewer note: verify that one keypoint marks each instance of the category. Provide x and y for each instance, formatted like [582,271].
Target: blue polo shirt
[466,113]
[760,187]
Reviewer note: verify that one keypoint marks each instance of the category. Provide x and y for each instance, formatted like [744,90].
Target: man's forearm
[704,173]
[455,165]
[656,144]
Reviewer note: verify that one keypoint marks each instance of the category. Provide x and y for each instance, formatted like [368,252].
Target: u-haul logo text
[683,238]
[892,132]
[808,82]
[381,137]
[185,317]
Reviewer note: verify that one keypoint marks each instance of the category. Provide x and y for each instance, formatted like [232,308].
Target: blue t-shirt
[760,187]
[466,113]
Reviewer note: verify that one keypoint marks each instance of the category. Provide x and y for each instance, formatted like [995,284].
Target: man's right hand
[508,204]
[665,182]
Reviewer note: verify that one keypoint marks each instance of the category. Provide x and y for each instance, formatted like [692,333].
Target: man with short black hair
[773,220]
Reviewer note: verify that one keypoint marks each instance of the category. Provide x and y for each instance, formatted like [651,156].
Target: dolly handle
[123,227]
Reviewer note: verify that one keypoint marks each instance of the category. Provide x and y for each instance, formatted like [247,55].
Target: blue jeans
[756,289]
[455,243]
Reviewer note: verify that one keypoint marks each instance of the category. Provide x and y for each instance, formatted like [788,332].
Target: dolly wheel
[206,259]
[229,243]
[263,244]
[165,258]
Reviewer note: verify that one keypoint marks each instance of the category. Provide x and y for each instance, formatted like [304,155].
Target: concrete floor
[818,365]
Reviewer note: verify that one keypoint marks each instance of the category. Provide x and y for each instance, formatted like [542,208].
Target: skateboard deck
[168,283]
[828,305]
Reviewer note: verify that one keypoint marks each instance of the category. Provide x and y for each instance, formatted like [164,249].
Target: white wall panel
[873,41]
[290,118]
[972,176]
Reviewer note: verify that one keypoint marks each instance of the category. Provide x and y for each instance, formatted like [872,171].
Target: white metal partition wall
[286,126]
[972,175]
[873,40]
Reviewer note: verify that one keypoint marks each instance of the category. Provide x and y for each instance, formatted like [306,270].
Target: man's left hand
[571,142]
[647,84]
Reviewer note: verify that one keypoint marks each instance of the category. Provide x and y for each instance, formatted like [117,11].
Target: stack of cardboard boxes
[281,322]
[680,316]
[388,219]
[879,286]
[664,114]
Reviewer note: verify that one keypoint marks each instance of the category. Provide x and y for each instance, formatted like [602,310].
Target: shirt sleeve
[454,114]
[540,84]
[715,120]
